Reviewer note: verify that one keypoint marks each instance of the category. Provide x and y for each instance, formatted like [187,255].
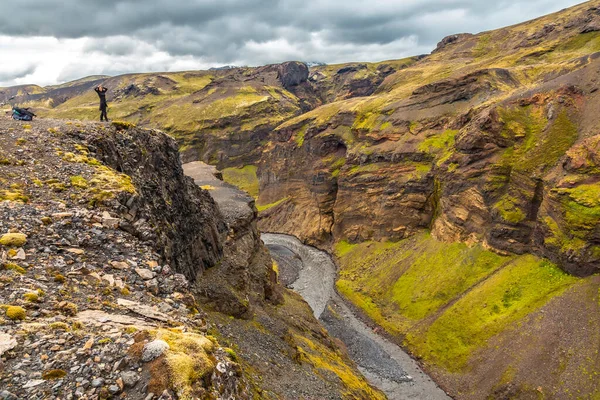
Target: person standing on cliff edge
[101,90]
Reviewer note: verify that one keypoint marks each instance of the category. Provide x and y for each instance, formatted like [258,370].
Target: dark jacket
[102,95]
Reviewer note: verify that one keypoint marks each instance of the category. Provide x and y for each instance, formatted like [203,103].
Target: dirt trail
[385,364]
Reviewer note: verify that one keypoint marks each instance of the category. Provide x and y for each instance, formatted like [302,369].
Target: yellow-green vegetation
[540,144]
[58,326]
[13,239]
[343,247]
[582,206]
[79,181]
[122,125]
[244,178]
[21,141]
[16,313]
[106,182]
[300,134]
[324,359]
[275,268]
[441,145]
[32,297]
[407,281]
[78,158]
[188,359]
[509,209]
[505,298]
[265,207]
[53,374]
[13,195]
[10,266]
[447,298]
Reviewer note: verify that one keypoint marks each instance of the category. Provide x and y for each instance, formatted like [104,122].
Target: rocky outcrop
[187,226]
[451,39]
[292,73]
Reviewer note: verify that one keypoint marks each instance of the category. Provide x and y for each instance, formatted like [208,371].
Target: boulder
[292,73]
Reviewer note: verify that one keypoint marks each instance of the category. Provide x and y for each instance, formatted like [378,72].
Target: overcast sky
[53,41]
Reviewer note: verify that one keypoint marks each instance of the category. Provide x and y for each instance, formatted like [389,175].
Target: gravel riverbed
[312,274]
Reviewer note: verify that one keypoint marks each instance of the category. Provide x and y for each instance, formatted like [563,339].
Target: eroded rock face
[187,225]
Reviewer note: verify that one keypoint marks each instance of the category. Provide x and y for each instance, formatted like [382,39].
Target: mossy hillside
[412,279]
[539,143]
[133,108]
[502,300]
[448,299]
[244,108]
[244,178]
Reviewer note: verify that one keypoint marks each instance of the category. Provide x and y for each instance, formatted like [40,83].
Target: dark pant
[103,113]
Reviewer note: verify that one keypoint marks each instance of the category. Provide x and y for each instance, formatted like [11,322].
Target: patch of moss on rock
[13,195]
[13,239]
[15,313]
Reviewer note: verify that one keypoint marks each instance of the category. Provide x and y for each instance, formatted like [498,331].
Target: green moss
[16,313]
[244,178]
[231,354]
[366,121]
[79,158]
[79,182]
[264,207]
[187,360]
[440,145]
[299,136]
[509,210]
[343,247]
[31,297]
[542,145]
[13,239]
[582,206]
[324,359]
[585,43]
[503,299]
[10,266]
[483,46]
[106,183]
[122,125]
[565,242]
[58,326]
[15,195]
[441,274]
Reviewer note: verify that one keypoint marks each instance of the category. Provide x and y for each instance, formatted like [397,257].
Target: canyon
[458,192]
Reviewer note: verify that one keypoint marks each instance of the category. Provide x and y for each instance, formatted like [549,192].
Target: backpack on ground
[22,114]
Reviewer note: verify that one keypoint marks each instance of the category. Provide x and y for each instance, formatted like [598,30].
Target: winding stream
[312,274]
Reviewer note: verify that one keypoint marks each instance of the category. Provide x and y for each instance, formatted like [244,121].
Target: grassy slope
[446,299]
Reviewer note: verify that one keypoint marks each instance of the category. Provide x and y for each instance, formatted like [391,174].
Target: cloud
[116,36]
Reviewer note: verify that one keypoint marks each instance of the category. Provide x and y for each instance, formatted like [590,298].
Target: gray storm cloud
[253,32]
